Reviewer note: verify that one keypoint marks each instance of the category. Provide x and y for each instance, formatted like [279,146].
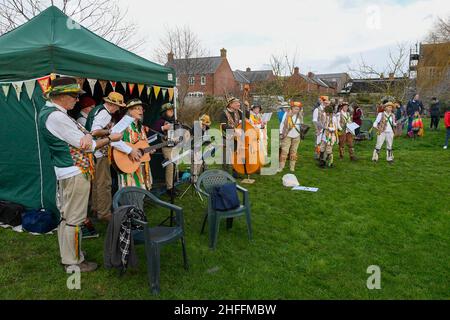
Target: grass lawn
[306,245]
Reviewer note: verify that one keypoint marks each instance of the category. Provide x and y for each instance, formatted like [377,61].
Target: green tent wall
[52,43]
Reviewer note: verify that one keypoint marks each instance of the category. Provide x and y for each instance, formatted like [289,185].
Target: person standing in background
[435,113]
[413,105]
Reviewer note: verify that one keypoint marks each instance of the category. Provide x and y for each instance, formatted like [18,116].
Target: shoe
[88,230]
[85,266]
[445,147]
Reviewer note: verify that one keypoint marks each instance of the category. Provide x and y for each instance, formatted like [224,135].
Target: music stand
[194,176]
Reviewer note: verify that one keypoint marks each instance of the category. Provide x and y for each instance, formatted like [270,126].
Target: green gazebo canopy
[53,43]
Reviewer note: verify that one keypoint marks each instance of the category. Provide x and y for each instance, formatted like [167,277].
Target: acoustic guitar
[125,164]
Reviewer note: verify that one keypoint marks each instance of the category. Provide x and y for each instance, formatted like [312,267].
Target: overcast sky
[329,35]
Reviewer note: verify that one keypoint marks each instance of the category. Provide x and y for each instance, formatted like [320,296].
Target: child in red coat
[447,125]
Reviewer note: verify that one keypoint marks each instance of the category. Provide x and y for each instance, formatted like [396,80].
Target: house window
[242,87]
[203,80]
[191,81]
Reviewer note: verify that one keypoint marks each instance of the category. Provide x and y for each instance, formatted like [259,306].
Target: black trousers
[434,122]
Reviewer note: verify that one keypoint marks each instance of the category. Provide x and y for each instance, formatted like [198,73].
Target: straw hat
[389,104]
[115,98]
[231,100]
[204,119]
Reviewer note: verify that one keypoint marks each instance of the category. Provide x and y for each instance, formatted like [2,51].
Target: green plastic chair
[205,185]
[153,238]
[365,131]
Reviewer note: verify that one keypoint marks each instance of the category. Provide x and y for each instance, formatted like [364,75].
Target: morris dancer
[345,135]
[163,125]
[257,121]
[230,119]
[290,129]
[318,121]
[328,137]
[385,125]
[99,123]
[71,148]
[142,177]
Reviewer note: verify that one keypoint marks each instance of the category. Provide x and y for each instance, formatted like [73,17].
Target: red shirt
[447,119]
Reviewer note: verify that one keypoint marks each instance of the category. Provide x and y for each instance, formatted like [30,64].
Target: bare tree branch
[102,17]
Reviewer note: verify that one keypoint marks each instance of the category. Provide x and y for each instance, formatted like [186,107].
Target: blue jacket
[414,106]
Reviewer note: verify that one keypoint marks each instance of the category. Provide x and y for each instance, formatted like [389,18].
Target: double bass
[246,158]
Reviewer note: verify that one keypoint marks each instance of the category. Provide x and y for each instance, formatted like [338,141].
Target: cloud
[325,30]
[339,61]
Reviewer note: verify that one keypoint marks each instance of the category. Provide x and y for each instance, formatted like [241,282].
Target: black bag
[11,213]
[225,197]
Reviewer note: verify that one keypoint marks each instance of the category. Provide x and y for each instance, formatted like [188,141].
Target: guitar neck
[155,147]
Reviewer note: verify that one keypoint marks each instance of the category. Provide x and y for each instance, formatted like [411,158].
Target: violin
[246,158]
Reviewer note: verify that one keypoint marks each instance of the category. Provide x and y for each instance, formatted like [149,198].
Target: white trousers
[381,138]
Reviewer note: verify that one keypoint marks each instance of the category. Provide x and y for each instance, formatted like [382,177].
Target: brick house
[208,75]
[310,83]
[252,78]
[335,80]
[433,70]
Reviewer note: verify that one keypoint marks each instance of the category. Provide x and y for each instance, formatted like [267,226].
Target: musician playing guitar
[135,132]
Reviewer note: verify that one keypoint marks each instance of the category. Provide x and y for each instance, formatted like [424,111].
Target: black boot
[322,162]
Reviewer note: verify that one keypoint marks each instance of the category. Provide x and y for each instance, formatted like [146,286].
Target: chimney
[248,69]
[223,53]
[296,71]
[310,75]
[170,57]
[381,75]
[391,76]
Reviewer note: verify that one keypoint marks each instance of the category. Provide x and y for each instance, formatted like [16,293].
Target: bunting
[131,87]
[170,90]
[80,82]
[156,91]
[29,86]
[92,83]
[18,87]
[5,88]
[164,91]
[44,83]
[103,84]
[140,89]
[113,84]
[123,86]
[148,91]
